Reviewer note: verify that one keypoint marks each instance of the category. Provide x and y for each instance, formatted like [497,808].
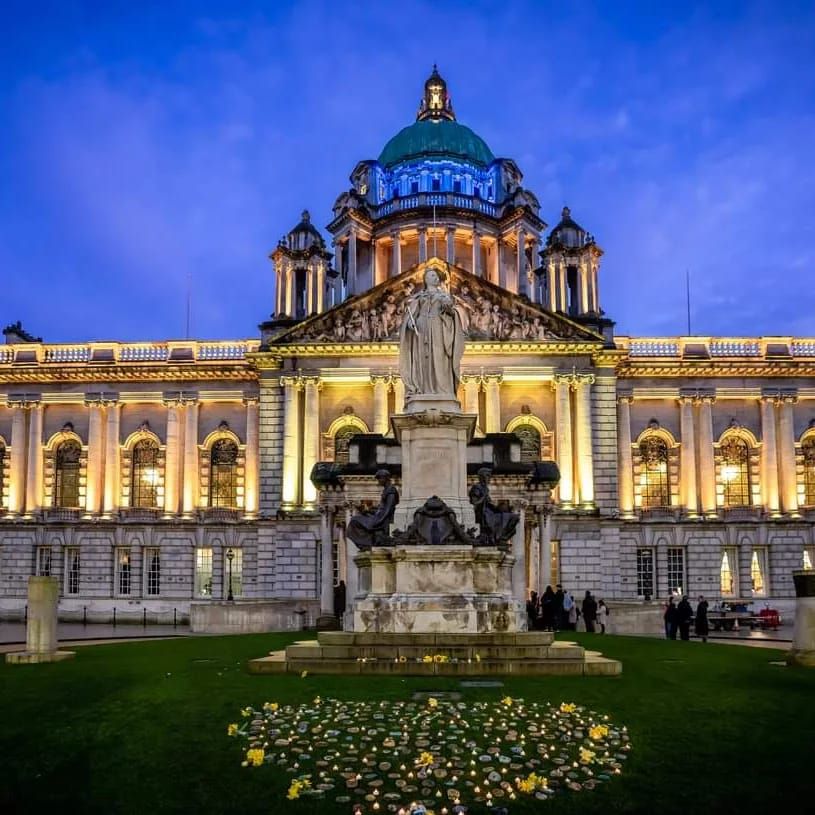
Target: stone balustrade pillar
[769,456]
[381,385]
[93,484]
[112,459]
[311,437]
[688,456]
[583,441]
[33,490]
[786,453]
[625,464]
[492,406]
[707,464]
[190,489]
[563,418]
[252,474]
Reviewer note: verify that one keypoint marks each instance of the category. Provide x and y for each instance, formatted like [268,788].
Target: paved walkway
[14,633]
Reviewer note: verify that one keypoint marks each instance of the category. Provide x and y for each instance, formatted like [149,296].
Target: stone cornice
[53,374]
[630,369]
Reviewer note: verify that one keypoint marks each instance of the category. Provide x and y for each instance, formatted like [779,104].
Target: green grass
[141,728]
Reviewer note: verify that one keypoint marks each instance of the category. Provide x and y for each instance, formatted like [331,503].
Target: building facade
[156,478]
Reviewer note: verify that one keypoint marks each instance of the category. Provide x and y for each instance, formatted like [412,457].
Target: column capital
[788,397]
[250,399]
[381,379]
[291,380]
[170,399]
[311,382]
[492,379]
[625,398]
[467,379]
[23,400]
[705,397]
[574,380]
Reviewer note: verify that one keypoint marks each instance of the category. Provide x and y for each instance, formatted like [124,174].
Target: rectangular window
[72,570]
[729,572]
[152,571]
[203,572]
[676,570]
[414,187]
[645,573]
[233,573]
[457,185]
[809,557]
[44,561]
[123,571]
[435,184]
[758,571]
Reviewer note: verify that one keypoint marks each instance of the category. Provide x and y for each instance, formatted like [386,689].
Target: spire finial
[435,104]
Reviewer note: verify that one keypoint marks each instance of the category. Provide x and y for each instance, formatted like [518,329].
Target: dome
[436,137]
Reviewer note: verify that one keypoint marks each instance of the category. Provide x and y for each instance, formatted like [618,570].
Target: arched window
[66,492]
[530,438]
[223,478]
[808,449]
[342,441]
[144,487]
[654,484]
[735,472]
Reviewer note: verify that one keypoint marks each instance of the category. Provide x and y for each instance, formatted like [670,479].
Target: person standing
[532,611]
[684,614]
[548,609]
[589,611]
[569,611]
[602,615]
[671,619]
[701,625]
[339,601]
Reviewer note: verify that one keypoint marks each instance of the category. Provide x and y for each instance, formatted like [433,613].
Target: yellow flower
[427,658]
[568,707]
[425,759]
[532,782]
[478,657]
[304,674]
[507,700]
[246,712]
[432,702]
[586,756]
[255,756]
[598,732]
[296,787]
[317,700]
[232,730]
[271,706]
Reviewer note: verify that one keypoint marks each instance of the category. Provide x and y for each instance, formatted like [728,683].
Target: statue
[431,341]
[497,526]
[371,528]
[434,524]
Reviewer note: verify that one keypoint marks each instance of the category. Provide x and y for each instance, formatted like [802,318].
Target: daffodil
[317,700]
[478,657]
[296,787]
[427,658]
[507,700]
[586,756]
[425,759]
[432,702]
[255,756]
[232,730]
[598,732]
[246,712]
[568,707]
[304,674]
[271,706]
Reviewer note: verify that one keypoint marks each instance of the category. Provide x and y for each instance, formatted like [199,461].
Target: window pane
[44,561]
[223,482]
[654,475]
[808,450]
[645,572]
[728,572]
[66,492]
[676,570]
[735,472]
[203,572]
[809,558]
[153,561]
[72,570]
[758,571]
[144,482]
[123,571]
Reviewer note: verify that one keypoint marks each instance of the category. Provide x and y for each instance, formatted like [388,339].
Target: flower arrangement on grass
[433,755]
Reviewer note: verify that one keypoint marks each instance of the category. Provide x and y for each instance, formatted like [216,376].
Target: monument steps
[521,653]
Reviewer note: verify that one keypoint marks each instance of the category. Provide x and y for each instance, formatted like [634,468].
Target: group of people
[678,618]
[557,610]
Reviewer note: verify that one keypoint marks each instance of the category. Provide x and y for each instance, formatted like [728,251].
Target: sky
[148,149]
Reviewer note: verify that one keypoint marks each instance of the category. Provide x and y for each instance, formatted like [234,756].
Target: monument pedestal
[803,637]
[434,459]
[41,626]
[436,589]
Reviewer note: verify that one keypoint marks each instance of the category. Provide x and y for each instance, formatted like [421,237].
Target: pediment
[489,313]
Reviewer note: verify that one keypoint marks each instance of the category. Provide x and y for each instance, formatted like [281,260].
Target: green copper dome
[434,137]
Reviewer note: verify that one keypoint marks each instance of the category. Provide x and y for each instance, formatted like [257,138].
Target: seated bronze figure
[371,528]
[497,526]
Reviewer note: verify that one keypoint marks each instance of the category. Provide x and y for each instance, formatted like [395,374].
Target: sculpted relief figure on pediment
[487,313]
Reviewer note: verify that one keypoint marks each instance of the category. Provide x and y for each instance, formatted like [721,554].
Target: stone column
[625,464]
[451,244]
[327,562]
[583,278]
[375,266]
[16,487]
[33,488]
[534,293]
[280,288]
[112,459]
[422,244]
[476,253]
[472,386]
[289,290]
[545,550]
[309,290]
[519,591]
[311,437]
[93,485]
[492,419]
[562,292]
[786,452]
[396,261]
[500,247]
[291,440]
[399,395]
[251,479]
[688,456]
[320,292]
[190,490]
[769,456]
[380,384]
[172,456]
[551,286]
[563,417]
[351,571]
[583,441]
[520,263]
[338,263]
[707,465]
[352,262]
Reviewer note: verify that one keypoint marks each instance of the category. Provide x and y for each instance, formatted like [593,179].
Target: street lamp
[230,556]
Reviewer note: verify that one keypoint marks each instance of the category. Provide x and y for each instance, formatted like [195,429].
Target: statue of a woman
[431,341]
[497,526]
[371,528]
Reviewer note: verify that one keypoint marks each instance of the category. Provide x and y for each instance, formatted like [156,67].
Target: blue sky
[146,144]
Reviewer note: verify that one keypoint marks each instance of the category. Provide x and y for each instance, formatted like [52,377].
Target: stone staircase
[532,653]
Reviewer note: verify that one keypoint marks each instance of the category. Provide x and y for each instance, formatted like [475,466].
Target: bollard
[175,618]
[114,616]
[144,617]
[84,615]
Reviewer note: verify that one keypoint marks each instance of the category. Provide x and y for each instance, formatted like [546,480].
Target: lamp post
[230,556]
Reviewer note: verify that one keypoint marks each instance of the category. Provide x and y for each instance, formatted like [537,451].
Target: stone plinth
[41,627]
[252,616]
[436,589]
[434,461]
[803,638]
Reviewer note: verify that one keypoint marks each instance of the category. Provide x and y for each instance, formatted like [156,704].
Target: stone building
[154,478]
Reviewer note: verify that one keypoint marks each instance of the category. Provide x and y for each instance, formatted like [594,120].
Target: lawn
[141,728]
